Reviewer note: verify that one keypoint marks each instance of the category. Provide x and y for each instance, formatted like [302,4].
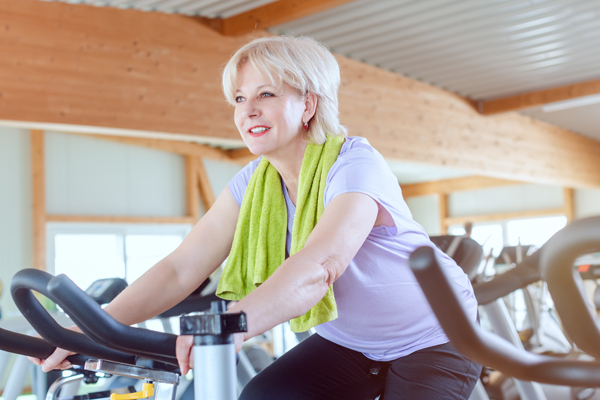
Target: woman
[317,232]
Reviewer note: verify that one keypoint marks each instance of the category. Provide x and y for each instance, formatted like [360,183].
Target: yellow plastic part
[147,391]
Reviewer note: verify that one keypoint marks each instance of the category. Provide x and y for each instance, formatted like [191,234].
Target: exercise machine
[488,348]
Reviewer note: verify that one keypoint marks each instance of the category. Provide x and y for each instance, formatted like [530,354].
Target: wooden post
[191,188]
[206,193]
[569,204]
[38,199]
[443,200]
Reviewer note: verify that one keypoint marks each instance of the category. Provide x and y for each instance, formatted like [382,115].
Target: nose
[249,109]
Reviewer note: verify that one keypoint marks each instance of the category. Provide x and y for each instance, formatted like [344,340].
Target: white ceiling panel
[481,49]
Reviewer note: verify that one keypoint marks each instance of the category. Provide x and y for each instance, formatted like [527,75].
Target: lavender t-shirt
[382,311]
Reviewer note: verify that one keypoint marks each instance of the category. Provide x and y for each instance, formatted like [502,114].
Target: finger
[36,361]
[182,351]
[55,359]
[238,339]
[66,364]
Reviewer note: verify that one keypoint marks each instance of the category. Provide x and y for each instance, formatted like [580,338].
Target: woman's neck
[288,164]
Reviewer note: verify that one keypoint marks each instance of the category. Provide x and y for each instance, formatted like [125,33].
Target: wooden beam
[453,185]
[503,216]
[206,193]
[109,219]
[569,204]
[268,15]
[38,199]
[172,146]
[539,97]
[242,155]
[63,66]
[443,207]
[191,188]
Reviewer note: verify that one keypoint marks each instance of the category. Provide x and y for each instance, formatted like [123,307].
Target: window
[87,257]
[489,236]
[533,231]
[494,236]
[88,252]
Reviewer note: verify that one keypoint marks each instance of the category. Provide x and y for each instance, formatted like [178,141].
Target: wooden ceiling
[154,72]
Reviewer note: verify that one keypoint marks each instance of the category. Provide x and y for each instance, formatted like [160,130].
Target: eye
[238,99]
[266,94]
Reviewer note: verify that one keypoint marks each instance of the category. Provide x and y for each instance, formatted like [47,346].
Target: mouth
[259,130]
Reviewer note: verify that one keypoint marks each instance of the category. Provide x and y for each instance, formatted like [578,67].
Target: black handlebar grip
[578,238]
[22,285]
[190,304]
[93,319]
[486,347]
[523,274]
[30,346]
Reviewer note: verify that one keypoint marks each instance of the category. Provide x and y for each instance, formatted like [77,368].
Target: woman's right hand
[56,360]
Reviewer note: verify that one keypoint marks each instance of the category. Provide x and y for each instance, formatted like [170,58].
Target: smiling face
[270,119]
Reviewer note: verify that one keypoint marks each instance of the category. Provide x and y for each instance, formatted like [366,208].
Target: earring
[306,126]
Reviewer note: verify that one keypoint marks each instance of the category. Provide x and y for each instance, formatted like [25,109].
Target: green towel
[259,242]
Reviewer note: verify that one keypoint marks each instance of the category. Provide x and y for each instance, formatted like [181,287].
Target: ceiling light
[571,103]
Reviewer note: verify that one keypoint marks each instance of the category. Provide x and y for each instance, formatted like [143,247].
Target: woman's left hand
[183,351]
[238,339]
[185,355]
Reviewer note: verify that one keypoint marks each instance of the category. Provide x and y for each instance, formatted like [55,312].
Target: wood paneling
[268,15]
[103,66]
[538,98]
[413,121]
[98,66]
[38,194]
[453,185]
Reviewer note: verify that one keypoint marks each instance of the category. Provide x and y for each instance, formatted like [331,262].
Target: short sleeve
[239,183]
[361,169]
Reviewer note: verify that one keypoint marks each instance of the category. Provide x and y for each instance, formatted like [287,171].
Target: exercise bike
[123,350]
[489,349]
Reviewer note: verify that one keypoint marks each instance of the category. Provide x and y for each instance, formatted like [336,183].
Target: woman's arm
[302,280]
[173,278]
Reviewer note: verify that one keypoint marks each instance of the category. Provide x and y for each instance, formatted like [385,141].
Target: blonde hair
[302,63]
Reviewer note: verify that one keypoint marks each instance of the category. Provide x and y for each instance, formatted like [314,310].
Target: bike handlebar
[95,322]
[485,347]
[190,304]
[32,347]
[22,286]
[523,274]
[578,238]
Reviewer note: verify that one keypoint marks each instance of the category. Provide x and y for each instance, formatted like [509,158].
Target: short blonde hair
[302,63]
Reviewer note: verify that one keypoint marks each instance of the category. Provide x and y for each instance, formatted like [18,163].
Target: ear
[310,106]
